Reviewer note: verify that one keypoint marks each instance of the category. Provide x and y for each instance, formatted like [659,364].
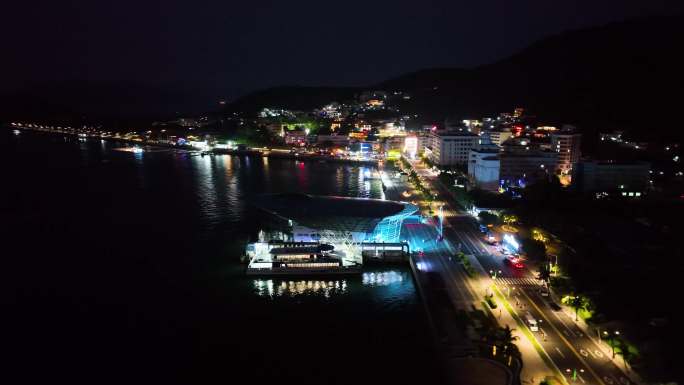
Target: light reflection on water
[277,288]
[205,168]
[222,183]
[390,279]
[384,278]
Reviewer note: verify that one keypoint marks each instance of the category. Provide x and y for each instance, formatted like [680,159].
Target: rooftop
[455,133]
[332,212]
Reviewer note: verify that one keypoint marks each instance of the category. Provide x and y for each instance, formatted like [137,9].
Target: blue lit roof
[331,212]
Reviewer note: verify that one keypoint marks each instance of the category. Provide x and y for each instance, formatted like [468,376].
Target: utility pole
[441,222]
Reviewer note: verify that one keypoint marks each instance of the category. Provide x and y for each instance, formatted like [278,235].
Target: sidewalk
[535,368]
[592,333]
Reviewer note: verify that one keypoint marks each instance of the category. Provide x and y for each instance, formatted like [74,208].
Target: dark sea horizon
[125,267]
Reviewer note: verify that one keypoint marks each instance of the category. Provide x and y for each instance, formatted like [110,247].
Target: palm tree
[578,303]
[627,354]
[506,339]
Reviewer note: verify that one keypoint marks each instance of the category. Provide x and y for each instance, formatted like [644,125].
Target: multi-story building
[543,131]
[498,136]
[295,137]
[524,162]
[449,148]
[414,144]
[474,126]
[484,166]
[336,140]
[566,143]
[629,179]
[394,143]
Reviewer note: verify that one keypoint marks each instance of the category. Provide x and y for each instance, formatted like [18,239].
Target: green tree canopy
[488,218]
[534,249]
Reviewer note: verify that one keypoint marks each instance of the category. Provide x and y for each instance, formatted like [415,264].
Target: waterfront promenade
[448,299]
[154,145]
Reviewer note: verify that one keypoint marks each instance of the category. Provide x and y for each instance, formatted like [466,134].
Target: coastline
[276,153]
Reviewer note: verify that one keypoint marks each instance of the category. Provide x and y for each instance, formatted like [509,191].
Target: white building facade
[498,137]
[484,167]
[446,148]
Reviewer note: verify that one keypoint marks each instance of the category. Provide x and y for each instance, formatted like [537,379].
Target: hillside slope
[620,76]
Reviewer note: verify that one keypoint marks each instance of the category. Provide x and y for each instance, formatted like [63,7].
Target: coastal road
[577,356]
[437,256]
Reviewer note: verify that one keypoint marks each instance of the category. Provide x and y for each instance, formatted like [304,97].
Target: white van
[531,322]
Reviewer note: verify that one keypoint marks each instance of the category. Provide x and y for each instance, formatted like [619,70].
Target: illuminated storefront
[510,243]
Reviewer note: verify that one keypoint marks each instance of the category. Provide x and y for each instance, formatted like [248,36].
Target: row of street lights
[607,335]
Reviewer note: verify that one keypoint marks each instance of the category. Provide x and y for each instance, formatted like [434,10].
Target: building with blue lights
[348,225]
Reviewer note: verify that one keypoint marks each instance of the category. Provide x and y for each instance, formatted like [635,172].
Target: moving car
[531,322]
[544,292]
[514,261]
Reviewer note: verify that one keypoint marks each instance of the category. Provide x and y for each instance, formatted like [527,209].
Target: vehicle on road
[483,229]
[531,322]
[554,306]
[543,291]
[490,239]
[514,261]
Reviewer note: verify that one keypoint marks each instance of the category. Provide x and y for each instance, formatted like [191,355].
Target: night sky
[229,48]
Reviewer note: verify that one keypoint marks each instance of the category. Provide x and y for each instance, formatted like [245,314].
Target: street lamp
[612,338]
[441,222]
[574,373]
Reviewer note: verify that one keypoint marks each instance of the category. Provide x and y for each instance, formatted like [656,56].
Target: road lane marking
[563,323]
[543,354]
[572,349]
[598,351]
[559,352]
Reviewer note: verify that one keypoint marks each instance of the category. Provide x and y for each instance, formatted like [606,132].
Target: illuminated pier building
[326,234]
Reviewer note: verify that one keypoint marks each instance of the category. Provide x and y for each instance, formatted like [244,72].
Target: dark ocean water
[125,267]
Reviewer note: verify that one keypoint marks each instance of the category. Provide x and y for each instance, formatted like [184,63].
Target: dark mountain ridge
[626,76]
